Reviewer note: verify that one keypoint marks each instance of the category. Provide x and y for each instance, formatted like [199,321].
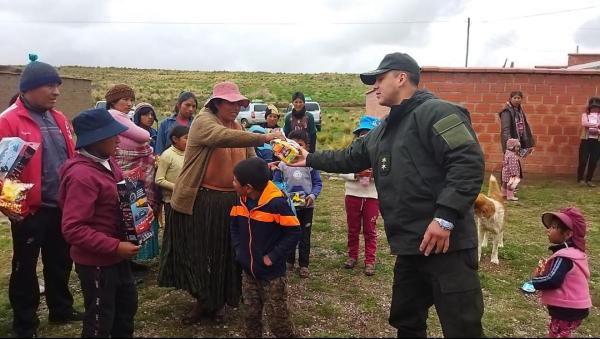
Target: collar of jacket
[269,193]
[398,112]
[556,248]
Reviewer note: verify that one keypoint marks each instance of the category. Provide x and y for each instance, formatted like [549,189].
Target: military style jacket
[426,162]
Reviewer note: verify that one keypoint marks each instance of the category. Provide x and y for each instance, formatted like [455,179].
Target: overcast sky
[295,36]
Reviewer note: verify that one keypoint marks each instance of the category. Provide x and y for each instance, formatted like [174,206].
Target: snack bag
[286,150]
[15,154]
[137,213]
[13,199]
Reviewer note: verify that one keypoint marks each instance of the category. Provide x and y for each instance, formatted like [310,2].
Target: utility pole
[468,32]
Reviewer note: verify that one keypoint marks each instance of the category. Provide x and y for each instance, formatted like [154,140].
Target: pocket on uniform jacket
[454,132]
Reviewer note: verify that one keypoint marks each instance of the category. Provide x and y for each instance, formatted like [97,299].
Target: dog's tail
[494,191]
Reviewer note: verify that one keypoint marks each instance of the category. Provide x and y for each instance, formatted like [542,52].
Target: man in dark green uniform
[428,169]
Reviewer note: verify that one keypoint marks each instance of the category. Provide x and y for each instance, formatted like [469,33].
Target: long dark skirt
[197,255]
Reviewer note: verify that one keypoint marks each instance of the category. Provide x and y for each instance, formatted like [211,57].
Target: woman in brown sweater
[197,254]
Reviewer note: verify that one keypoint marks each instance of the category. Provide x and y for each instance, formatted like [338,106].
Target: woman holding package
[199,257]
[134,151]
[589,148]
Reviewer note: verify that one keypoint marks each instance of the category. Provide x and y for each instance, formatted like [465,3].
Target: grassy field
[336,302]
[162,87]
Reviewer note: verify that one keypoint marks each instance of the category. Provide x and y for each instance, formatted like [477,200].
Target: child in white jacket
[362,207]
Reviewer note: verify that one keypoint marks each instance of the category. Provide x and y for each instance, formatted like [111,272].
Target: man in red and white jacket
[33,118]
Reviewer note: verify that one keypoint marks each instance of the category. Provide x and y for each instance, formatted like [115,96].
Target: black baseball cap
[393,61]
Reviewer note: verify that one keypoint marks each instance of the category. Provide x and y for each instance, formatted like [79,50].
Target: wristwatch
[444,224]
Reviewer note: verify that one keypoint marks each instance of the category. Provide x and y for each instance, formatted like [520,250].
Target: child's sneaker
[350,263]
[369,269]
[304,273]
[512,199]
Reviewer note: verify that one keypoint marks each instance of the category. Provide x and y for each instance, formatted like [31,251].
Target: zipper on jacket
[250,248]
[250,233]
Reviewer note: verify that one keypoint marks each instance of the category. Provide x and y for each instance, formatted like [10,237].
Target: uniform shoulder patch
[454,132]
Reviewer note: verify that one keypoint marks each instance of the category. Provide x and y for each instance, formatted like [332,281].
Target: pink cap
[229,91]
[573,219]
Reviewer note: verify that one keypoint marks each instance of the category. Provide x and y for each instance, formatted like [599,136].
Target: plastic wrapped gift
[286,150]
[298,199]
[15,154]
[137,213]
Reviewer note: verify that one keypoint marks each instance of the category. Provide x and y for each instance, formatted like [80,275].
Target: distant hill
[162,87]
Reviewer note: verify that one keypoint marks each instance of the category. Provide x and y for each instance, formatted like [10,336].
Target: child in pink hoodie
[563,278]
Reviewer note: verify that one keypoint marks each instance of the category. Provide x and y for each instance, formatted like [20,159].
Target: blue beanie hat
[38,74]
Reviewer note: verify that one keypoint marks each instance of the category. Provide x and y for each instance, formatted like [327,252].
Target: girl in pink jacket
[563,278]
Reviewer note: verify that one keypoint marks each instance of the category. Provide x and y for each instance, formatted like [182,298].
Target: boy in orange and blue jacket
[264,230]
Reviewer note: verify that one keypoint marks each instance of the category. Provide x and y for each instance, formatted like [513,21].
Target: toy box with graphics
[137,214]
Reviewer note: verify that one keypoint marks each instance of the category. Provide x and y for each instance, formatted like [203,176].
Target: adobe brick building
[554,100]
[75,94]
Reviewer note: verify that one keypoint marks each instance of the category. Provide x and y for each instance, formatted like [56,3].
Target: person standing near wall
[589,148]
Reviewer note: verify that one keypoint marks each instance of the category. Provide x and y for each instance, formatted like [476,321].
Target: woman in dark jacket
[514,123]
[298,119]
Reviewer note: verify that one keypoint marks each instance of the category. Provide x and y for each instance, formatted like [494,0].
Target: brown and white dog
[490,215]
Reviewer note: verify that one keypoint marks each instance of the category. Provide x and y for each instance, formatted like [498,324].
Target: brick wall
[554,101]
[578,59]
[75,94]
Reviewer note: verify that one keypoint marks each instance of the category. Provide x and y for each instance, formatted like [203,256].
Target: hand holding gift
[286,150]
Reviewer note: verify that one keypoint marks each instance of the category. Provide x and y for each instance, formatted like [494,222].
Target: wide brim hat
[95,125]
[392,61]
[229,91]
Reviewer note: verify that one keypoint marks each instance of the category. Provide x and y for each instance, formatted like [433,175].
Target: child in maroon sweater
[91,224]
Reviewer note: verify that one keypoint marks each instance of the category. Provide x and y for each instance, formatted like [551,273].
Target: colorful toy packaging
[137,214]
[14,156]
[286,150]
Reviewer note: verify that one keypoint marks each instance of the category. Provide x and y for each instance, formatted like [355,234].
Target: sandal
[304,273]
[350,263]
[369,269]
